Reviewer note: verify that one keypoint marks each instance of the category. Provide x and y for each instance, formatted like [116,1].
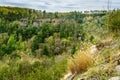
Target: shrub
[106,54]
[80,62]
[114,22]
[101,73]
[46,50]
[24,68]
[55,72]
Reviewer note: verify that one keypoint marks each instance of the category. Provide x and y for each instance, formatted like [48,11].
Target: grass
[102,68]
[80,62]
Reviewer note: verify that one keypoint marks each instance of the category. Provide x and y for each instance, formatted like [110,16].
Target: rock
[116,57]
[93,49]
[81,79]
[115,78]
[117,68]
[100,46]
[67,76]
[72,77]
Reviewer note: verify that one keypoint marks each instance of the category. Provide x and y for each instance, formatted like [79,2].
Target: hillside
[40,45]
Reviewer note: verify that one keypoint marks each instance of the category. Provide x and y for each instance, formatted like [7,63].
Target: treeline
[15,13]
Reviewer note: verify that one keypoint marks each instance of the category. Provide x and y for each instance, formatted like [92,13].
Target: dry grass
[80,62]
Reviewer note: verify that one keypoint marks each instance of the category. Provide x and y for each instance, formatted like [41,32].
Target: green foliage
[35,44]
[114,21]
[55,72]
[13,13]
[74,49]
[11,44]
[11,41]
[45,50]
[91,38]
[106,53]
[38,71]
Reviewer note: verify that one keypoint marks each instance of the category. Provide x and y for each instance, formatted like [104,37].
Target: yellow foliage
[80,62]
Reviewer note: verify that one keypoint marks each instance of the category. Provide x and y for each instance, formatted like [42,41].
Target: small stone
[117,68]
[67,76]
[115,78]
[93,49]
[81,78]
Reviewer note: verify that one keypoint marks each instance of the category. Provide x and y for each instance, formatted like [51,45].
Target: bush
[55,72]
[80,62]
[114,21]
[101,73]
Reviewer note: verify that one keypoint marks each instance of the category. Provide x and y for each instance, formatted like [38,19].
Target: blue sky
[61,5]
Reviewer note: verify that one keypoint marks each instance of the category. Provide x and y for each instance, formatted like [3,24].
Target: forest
[40,45]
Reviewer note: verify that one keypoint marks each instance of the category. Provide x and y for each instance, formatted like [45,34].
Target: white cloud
[62,5]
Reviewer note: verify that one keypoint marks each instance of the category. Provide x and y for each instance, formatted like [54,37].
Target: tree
[44,14]
[114,21]
[35,44]
[45,50]
[56,14]
[11,44]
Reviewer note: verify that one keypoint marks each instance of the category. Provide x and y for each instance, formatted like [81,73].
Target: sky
[62,5]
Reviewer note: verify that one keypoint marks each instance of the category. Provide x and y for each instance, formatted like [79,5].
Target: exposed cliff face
[39,22]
